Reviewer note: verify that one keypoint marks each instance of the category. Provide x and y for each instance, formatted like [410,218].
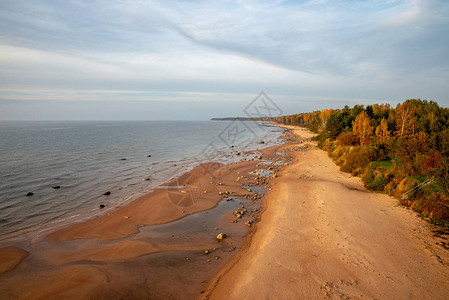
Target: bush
[347,139]
[358,157]
[374,180]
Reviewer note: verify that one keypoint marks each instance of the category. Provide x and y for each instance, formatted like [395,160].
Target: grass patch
[384,164]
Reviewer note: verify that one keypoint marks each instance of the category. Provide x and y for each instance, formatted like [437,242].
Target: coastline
[324,236]
[124,235]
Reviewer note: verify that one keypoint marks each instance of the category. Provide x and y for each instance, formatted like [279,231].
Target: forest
[402,151]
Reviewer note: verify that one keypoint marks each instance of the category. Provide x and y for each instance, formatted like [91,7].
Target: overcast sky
[201,59]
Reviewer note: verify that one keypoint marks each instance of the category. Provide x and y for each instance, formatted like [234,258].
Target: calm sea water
[86,159]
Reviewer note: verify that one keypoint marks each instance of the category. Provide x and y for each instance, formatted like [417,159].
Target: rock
[148,155]
[261,142]
[102,206]
[148,179]
[29,194]
[57,187]
[107,193]
[221,236]
[123,159]
[206,252]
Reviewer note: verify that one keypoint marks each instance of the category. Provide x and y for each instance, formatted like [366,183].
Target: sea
[68,166]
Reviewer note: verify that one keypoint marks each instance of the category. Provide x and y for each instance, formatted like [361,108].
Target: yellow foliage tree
[362,128]
[405,119]
[382,132]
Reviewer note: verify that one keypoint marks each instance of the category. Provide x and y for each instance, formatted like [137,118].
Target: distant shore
[175,224]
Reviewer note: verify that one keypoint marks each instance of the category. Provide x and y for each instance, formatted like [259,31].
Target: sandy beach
[317,234]
[324,236]
[161,245]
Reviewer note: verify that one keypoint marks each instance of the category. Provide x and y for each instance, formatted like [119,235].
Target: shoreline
[124,234]
[324,236]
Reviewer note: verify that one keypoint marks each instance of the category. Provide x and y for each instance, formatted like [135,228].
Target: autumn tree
[405,119]
[382,132]
[362,128]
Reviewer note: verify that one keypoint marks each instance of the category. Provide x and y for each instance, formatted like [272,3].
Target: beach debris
[102,206]
[249,223]
[29,194]
[221,236]
[206,252]
[107,193]
[184,192]
[125,217]
[56,187]
[217,257]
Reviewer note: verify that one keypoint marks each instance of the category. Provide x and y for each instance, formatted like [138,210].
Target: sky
[194,60]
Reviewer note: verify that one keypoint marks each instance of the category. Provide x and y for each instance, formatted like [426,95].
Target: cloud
[159,50]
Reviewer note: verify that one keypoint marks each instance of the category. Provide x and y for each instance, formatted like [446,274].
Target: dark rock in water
[123,159]
[102,205]
[107,193]
[149,156]
[29,194]
[57,187]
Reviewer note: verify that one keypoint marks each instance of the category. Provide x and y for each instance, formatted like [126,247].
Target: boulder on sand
[221,236]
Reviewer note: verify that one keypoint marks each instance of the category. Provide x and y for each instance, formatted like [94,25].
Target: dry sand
[323,235]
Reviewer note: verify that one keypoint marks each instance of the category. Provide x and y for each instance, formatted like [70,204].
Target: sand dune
[324,236]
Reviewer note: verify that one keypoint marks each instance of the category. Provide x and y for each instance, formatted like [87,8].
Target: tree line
[393,149]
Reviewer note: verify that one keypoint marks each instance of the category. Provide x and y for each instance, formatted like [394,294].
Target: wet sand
[151,248]
[324,236]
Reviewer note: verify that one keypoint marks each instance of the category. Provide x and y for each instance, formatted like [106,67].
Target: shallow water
[86,159]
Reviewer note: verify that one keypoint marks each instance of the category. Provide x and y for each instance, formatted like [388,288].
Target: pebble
[221,236]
